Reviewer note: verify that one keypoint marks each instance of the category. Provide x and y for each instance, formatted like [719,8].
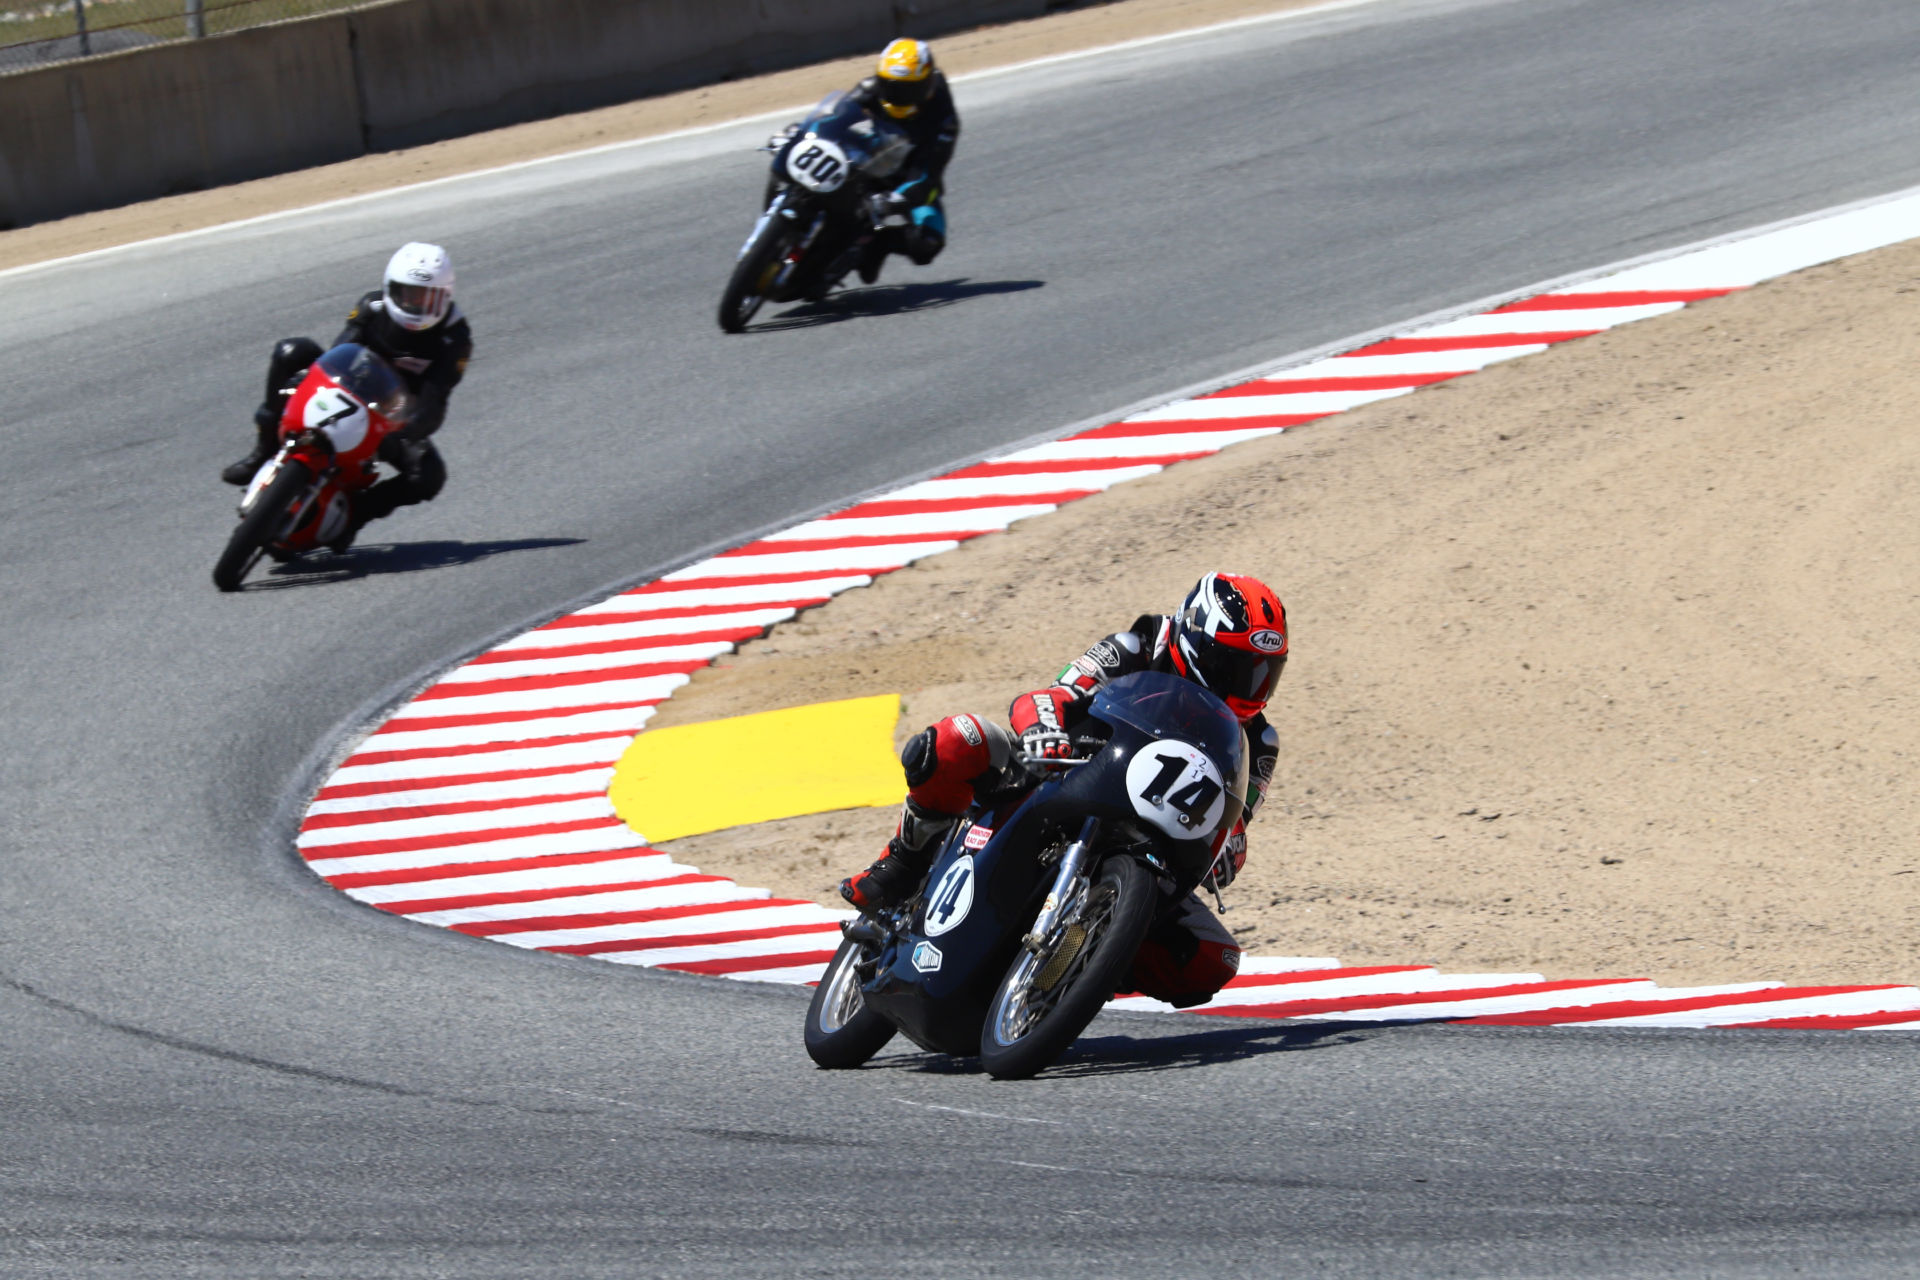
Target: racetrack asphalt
[211,1064]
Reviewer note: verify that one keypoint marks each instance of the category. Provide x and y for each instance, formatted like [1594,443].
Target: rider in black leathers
[1229,637]
[909,92]
[411,321]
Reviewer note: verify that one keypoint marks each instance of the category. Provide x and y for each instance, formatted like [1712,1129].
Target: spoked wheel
[264,522]
[753,275]
[1048,998]
[841,1030]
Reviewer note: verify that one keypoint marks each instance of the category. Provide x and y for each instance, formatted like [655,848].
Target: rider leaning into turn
[1230,637]
[910,92]
[412,322]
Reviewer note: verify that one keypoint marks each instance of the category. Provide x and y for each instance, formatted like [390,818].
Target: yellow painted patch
[696,778]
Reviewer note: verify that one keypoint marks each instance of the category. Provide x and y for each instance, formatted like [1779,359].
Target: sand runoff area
[1603,660]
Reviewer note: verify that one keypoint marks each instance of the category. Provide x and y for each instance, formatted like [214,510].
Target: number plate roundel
[950,898]
[1175,786]
[339,415]
[818,164]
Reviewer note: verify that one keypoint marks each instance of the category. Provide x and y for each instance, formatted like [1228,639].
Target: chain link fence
[62,30]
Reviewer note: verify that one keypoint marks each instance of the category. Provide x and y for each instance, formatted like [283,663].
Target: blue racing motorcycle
[825,204]
[1035,905]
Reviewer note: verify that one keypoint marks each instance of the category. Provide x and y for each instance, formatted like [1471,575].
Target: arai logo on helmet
[1267,640]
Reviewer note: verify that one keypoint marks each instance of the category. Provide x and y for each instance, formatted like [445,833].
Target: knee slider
[920,757]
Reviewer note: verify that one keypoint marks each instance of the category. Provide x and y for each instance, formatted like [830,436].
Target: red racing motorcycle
[301,499]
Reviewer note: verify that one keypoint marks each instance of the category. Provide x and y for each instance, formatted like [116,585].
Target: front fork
[1069,891]
[264,478]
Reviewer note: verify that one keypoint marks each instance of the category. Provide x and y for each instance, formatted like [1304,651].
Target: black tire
[753,274]
[1027,1028]
[840,1032]
[260,526]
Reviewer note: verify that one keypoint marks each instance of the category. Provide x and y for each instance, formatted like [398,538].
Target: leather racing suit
[430,361]
[1188,954]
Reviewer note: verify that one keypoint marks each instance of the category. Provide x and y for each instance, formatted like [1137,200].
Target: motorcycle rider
[1230,637]
[909,91]
[412,322]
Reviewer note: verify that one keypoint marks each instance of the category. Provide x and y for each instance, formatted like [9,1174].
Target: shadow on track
[1117,1055]
[397,557]
[890,300]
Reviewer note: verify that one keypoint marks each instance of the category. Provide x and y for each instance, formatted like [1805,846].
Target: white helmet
[419,290]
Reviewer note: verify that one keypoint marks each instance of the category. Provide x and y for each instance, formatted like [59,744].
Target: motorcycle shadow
[1120,1055]
[375,559]
[890,300]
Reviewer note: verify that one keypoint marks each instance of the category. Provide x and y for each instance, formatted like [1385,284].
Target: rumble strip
[481,804]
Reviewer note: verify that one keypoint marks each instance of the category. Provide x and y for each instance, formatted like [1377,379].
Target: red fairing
[961,757]
[346,432]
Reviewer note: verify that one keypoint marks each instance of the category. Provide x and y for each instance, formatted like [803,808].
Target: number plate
[1175,787]
[817,164]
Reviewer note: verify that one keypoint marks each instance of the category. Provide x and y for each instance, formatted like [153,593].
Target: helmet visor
[417,300]
[908,94]
[1240,677]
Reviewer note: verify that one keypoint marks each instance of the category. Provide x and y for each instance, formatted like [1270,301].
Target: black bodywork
[942,1005]
[827,228]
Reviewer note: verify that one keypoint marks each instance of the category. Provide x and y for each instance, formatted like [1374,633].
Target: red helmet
[1230,637]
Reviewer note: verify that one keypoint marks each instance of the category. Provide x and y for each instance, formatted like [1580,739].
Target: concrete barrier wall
[496,62]
[151,122]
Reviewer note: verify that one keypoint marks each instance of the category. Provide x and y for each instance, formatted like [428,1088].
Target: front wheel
[264,522]
[1048,998]
[841,1030]
[753,274]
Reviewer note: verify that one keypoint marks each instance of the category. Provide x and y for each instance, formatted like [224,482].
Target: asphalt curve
[210,1064]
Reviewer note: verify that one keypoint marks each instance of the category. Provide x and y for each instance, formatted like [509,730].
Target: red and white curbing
[481,805]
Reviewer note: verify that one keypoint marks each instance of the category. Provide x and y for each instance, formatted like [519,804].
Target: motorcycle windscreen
[362,372]
[870,145]
[1168,786]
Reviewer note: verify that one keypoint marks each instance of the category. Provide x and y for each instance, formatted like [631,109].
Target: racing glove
[1231,858]
[1041,721]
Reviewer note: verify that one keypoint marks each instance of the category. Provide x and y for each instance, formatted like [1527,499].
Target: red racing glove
[1041,721]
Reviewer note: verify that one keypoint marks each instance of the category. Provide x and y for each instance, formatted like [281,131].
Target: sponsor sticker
[1267,640]
[927,958]
[977,837]
[969,729]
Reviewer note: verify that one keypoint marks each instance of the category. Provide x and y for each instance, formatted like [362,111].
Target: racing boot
[888,882]
[872,258]
[897,874]
[266,430]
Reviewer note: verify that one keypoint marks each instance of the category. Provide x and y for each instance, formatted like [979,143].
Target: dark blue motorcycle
[822,208]
[1034,908]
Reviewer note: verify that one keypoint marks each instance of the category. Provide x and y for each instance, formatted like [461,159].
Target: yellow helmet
[905,74]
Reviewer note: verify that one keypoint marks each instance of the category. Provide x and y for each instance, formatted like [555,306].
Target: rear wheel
[264,521]
[754,274]
[1048,997]
[841,1030]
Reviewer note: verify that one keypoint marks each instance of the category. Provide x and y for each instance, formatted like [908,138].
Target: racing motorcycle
[301,499]
[829,204]
[1041,895]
